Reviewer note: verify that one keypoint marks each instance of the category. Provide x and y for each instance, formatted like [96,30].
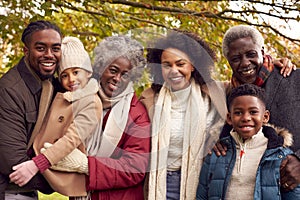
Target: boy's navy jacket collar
[274,139]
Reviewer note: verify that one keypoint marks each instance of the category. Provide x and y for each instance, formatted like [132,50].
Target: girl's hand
[23,173]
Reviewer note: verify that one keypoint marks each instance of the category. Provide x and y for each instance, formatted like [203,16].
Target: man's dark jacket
[20,92]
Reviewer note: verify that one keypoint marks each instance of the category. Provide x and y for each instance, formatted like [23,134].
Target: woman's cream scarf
[103,143]
[193,143]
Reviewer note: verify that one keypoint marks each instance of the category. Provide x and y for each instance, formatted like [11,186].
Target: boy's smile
[247,115]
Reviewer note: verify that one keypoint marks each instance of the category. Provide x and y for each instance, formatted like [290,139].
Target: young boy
[69,124]
[250,169]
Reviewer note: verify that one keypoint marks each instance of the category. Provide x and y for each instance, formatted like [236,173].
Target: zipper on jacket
[241,157]
[232,161]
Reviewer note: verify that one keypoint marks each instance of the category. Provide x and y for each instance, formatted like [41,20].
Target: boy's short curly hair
[111,48]
[246,90]
[241,31]
[199,52]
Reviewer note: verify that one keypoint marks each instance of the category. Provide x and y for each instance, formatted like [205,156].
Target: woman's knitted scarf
[103,143]
[193,142]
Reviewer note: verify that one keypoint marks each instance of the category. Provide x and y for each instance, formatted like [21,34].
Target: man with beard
[243,47]
[26,92]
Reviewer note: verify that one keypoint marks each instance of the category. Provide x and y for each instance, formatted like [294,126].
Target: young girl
[71,120]
[250,169]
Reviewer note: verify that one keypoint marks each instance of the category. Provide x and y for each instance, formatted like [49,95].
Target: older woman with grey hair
[119,46]
[120,147]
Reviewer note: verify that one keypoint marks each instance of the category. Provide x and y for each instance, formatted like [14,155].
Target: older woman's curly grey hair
[111,48]
[241,31]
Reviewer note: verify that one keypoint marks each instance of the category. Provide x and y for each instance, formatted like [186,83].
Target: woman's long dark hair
[200,54]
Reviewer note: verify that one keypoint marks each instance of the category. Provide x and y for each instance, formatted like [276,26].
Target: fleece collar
[277,137]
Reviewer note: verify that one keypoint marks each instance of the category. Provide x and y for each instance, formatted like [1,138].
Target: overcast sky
[292,28]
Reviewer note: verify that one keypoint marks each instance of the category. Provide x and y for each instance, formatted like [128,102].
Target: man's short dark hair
[37,26]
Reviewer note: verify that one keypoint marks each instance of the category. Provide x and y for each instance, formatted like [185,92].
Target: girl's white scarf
[103,143]
[193,143]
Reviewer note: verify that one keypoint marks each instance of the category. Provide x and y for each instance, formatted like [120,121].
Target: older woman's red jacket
[122,175]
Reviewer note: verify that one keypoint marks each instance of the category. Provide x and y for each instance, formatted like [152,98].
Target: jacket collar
[277,137]
[29,78]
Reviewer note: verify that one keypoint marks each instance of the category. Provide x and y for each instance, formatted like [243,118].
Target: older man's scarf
[263,74]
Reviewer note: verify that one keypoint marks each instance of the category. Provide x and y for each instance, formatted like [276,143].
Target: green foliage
[144,83]
[92,20]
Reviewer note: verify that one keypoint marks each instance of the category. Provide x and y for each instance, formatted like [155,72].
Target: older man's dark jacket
[283,101]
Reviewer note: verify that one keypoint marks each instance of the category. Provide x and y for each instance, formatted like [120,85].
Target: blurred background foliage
[92,20]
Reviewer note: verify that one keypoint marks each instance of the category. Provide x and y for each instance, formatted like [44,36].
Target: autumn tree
[91,20]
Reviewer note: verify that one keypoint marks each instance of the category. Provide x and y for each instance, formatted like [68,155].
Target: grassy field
[54,196]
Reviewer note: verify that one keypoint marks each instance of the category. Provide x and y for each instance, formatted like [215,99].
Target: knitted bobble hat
[74,55]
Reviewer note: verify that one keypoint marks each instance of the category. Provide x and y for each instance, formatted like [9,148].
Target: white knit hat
[74,55]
